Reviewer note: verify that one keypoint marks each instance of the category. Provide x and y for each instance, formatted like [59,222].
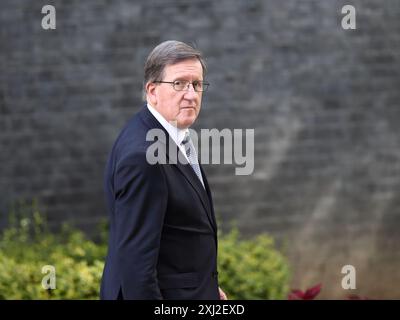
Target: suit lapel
[186,169]
[209,197]
[172,153]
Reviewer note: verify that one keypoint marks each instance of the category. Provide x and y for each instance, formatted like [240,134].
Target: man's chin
[186,123]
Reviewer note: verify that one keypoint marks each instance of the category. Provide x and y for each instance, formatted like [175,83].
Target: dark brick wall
[323,102]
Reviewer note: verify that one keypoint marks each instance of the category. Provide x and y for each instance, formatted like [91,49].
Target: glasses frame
[205,85]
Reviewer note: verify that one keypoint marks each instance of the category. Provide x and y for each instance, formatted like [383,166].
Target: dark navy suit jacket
[163,233]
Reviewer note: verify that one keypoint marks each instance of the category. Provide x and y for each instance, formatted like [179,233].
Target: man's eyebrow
[186,78]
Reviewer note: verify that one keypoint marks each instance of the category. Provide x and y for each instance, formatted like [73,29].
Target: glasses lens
[203,86]
[180,85]
[198,86]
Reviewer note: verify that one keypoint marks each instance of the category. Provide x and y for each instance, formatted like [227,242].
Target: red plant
[309,294]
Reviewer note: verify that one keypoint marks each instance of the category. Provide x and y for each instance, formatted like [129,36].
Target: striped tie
[192,156]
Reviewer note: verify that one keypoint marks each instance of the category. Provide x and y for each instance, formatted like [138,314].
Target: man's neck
[175,133]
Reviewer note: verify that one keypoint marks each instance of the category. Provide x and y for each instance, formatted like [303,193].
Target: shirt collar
[175,133]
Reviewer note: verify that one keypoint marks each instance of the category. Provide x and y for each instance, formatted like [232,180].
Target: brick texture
[324,103]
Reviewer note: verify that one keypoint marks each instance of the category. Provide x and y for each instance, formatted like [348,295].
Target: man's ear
[151,93]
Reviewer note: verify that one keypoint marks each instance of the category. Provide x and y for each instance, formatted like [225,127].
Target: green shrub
[252,269]
[248,269]
[27,245]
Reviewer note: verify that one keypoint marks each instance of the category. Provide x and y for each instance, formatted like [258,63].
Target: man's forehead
[185,66]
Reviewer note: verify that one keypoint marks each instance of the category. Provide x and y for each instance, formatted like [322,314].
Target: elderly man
[163,233]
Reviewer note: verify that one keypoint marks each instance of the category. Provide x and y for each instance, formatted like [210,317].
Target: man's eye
[197,84]
[178,83]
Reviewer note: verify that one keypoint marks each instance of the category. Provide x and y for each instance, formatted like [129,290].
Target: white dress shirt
[176,134]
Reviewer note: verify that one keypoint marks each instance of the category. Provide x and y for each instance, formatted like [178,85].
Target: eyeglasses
[181,85]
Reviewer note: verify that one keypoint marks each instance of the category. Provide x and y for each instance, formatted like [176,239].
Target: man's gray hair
[168,53]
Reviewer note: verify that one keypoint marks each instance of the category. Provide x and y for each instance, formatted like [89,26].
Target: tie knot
[186,138]
[185,143]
